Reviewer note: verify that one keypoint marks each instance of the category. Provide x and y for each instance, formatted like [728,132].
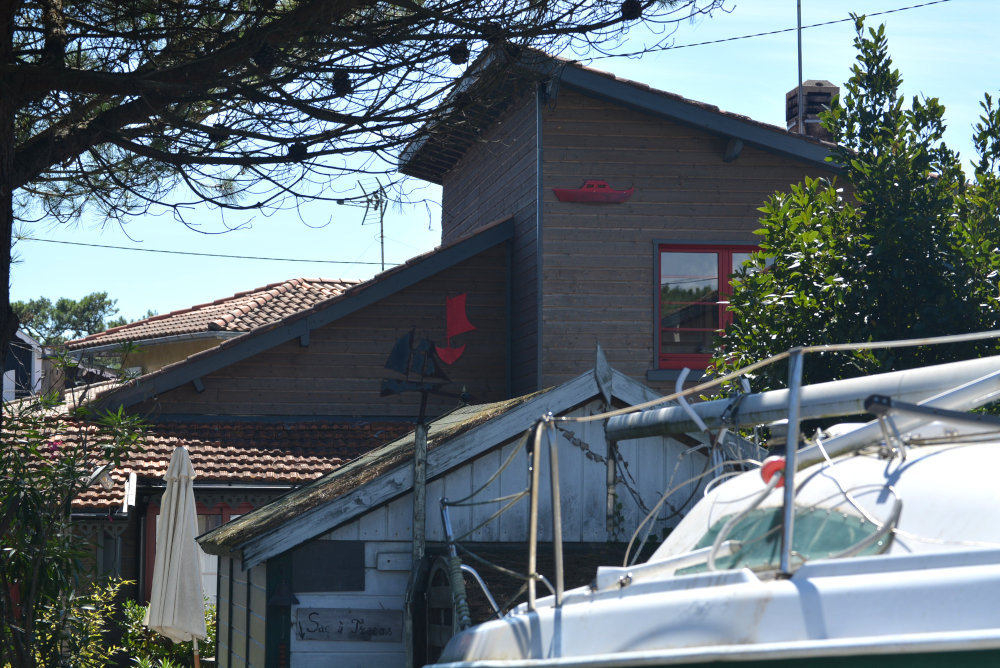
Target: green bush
[75,632]
[149,649]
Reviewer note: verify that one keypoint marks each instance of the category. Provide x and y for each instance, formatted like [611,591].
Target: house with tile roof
[543,279]
[241,465]
[167,338]
[292,390]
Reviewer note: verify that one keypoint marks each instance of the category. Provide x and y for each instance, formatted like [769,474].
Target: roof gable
[299,324]
[491,85]
[385,473]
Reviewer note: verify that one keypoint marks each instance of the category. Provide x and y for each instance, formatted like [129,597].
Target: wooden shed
[326,574]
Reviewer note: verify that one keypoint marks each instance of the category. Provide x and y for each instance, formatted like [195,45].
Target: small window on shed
[329,565]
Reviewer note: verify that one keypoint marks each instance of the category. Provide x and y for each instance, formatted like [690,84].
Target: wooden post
[419,523]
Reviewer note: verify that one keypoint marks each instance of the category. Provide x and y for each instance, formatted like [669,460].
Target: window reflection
[694,291]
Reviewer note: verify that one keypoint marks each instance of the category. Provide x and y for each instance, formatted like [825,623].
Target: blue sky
[946,49]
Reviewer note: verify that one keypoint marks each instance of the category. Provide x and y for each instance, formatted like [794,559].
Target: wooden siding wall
[496,179]
[339,373]
[647,467]
[598,282]
[241,615]
[387,570]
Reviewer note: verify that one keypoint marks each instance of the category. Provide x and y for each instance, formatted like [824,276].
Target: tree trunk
[8,139]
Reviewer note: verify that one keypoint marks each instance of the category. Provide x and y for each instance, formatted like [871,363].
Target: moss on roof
[232,535]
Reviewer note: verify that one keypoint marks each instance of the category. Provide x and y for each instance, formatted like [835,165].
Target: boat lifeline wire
[830,347]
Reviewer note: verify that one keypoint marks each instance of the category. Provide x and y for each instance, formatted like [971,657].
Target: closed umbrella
[177,602]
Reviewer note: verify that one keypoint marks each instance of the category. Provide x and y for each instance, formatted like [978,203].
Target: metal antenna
[798,25]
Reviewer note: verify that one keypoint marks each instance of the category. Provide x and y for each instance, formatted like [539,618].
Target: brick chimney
[817,95]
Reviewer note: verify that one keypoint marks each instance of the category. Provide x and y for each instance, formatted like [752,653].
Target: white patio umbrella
[177,602]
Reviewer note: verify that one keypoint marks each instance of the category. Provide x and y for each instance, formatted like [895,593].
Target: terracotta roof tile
[242,312]
[236,451]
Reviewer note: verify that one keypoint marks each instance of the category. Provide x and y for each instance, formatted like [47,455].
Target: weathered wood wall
[339,373]
[646,468]
[386,574]
[598,282]
[498,178]
[241,610]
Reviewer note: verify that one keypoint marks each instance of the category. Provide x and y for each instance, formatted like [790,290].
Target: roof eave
[156,341]
[421,159]
[689,113]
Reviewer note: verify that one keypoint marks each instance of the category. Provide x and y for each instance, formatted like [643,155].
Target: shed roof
[499,77]
[384,473]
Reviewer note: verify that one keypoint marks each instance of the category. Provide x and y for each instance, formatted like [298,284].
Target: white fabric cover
[176,602]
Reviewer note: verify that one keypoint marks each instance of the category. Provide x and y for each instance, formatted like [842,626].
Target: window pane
[694,287]
[681,342]
[819,534]
[689,277]
[208,522]
[739,259]
[697,316]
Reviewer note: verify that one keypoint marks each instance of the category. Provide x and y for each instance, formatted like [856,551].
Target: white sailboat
[873,544]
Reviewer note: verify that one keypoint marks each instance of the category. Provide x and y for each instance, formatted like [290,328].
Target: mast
[832,399]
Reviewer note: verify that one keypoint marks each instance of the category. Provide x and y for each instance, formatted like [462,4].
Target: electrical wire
[762,34]
[174,252]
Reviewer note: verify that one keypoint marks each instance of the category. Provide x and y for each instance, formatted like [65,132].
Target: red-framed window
[693,299]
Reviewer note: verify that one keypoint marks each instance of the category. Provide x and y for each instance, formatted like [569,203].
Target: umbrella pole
[197,659]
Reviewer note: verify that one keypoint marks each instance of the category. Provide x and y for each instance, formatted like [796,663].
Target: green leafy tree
[54,323]
[907,249]
[120,320]
[128,106]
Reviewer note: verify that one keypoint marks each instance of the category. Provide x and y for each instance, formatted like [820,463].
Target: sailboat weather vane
[422,357]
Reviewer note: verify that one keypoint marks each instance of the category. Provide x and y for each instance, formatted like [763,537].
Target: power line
[769,32]
[173,252]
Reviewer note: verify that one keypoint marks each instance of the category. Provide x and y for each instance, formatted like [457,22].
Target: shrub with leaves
[148,648]
[83,621]
[49,455]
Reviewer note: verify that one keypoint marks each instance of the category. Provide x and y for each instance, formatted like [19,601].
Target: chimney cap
[817,95]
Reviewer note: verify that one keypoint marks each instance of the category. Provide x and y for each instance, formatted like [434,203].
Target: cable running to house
[173,252]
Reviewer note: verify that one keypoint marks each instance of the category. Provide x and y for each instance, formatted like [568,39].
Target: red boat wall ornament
[593,191]
[458,323]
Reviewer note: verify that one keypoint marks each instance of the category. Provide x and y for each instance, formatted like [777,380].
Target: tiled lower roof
[258,452]
[242,312]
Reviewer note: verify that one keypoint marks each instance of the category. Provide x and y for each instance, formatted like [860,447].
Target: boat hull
[861,611]
[814,658]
